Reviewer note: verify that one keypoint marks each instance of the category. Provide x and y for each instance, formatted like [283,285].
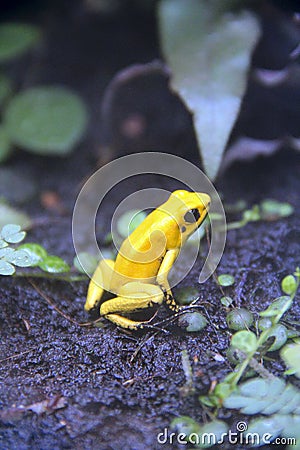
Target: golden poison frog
[139,275]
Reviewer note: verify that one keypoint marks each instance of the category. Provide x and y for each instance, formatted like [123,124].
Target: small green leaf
[35,251]
[210,401]
[3,243]
[20,258]
[16,38]
[222,390]
[292,334]
[278,307]
[6,252]
[252,215]
[129,221]
[272,209]
[289,285]
[226,301]
[46,120]
[236,401]
[6,268]
[265,323]
[192,321]
[234,356]
[291,428]
[9,214]
[208,50]
[54,264]
[263,427]
[239,319]
[271,427]
[291,356]
[85,262]
[225,280]
[186,295]
[266,396]
[5,145]
[279,332]
[12,233]
[279,403]
[245,341]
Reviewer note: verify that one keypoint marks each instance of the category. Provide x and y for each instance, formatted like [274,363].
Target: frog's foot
[169,300]
[99,283]
[129,324]
[132,297]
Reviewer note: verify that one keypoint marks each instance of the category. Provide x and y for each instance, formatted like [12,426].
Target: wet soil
[112,402]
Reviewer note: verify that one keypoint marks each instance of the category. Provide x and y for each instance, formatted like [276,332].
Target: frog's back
[140,255]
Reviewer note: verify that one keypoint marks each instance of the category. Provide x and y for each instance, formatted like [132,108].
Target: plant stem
[52,276]
[235,225]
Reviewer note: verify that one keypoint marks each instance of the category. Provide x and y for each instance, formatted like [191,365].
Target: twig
[143,342]
[66,316]
[18,355]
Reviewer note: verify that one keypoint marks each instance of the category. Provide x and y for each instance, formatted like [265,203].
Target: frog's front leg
[132,297]
[162,278]
[99,283]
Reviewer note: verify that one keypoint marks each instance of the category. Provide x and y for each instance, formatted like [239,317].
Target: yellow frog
[139,275]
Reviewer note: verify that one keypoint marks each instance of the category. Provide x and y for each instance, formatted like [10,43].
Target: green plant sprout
[267,210]
[225,280]
[277,401]
[30,255]
[247,344]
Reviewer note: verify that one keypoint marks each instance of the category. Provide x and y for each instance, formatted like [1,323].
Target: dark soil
[111,401]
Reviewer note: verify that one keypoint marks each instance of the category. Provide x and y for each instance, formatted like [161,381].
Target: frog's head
[190,210]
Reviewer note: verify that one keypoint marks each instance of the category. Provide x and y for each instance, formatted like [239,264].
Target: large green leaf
[208,51]
[46,120]
[16,38]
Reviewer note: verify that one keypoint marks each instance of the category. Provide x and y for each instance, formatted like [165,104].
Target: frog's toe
[94,295]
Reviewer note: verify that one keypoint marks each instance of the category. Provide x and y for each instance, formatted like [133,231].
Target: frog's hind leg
[132,297]
[99,283]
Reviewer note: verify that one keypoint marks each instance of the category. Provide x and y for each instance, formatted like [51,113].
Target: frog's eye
[192,216]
